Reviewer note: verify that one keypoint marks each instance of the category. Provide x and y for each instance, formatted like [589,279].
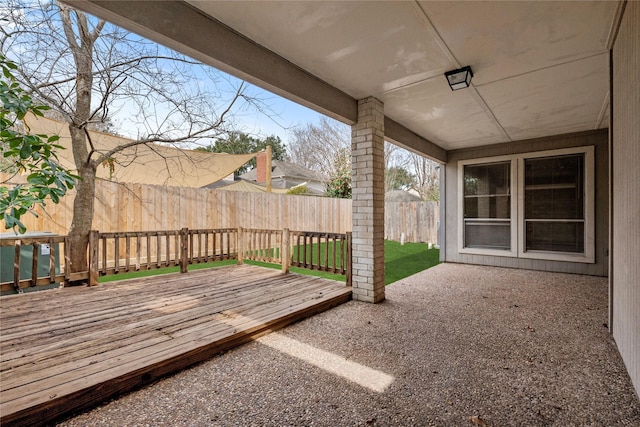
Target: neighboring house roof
[400,196]
[145,164]
[283,169]
[247,186]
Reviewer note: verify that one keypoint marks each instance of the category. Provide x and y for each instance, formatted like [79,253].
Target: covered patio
[509,346]
[538,149]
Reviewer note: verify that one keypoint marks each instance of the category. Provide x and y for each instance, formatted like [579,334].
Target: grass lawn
[399,261]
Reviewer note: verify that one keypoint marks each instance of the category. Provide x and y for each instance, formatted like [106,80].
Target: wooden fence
[137,207]
[120,252]
[418,221]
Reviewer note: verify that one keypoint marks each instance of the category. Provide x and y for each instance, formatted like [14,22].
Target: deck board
[68,349]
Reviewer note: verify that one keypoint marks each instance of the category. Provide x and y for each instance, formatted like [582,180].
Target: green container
[7,254]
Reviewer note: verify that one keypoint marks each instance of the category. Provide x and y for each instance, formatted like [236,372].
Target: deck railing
[215,244]
[39,274]
[120,252]
[262,245]
[134,251]
[329,252]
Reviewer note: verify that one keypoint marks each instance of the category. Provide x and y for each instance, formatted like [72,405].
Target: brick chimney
[261,167]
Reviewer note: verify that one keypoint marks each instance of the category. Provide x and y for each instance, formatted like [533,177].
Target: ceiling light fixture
[460,78]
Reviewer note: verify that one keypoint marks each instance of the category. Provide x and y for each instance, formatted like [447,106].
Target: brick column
[367,150]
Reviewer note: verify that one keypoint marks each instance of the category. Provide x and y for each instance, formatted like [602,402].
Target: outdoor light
[460,78]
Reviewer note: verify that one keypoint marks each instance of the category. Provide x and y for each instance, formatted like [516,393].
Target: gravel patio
[453,345]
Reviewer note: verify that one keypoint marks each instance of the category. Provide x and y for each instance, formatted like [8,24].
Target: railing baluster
[334,245]
[213,244]
[304,251]
[138,250]
[34,264]
[206,246]
[158,249]
[168,248]
[116,253]
[103,268]
[147,265]
[127,252]
[52,261]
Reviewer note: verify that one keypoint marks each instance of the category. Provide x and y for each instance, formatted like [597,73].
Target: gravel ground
[453,345]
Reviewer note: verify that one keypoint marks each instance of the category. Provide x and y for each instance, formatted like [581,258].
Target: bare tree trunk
[82,48]
[82,217]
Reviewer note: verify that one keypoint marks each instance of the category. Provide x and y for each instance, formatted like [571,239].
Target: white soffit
[505,39]
[561,99]
[444,117]
[540,68]
[361,48]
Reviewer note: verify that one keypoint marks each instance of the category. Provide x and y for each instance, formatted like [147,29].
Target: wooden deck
[68,349]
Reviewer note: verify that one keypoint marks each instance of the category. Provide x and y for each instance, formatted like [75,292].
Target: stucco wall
[598,139]
[625,191]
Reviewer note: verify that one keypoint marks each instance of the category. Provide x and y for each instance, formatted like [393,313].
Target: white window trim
[589,226]
[517,207]
[514,204]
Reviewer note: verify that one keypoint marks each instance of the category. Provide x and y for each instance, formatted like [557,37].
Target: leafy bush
[34,154]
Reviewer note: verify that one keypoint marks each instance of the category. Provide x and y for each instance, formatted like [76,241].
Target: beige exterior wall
[625,192]
[598,139]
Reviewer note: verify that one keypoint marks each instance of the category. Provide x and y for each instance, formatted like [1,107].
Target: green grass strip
[400,261]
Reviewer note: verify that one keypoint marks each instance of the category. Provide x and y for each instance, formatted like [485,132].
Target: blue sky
[288,115]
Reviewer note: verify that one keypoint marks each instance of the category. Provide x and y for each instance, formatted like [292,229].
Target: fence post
[240,246]
[184,250]
[93,257]
[349,237]
[284,251]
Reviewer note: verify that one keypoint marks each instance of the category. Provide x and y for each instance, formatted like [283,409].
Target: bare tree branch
[134,61]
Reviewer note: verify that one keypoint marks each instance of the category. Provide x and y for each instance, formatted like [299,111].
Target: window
[487,206]
[554,204]
[535,205]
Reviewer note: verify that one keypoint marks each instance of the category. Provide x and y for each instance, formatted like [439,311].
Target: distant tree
[21,152]
[398,178]
[242,143]
[427,177]
[298,190]
[317,146]
[401,164]
[339,184]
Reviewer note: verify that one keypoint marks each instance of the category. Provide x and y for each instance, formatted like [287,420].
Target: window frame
[512,252]
[517,220]
[589,208]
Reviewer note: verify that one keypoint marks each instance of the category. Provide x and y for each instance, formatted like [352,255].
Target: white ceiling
[540,68]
